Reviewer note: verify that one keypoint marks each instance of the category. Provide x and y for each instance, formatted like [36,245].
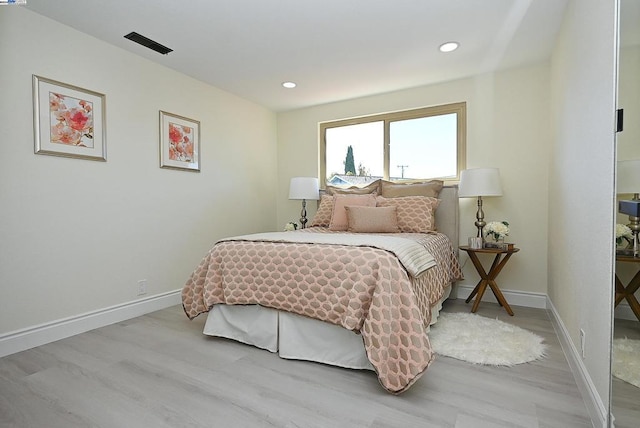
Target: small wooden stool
[490,278]
[627,291]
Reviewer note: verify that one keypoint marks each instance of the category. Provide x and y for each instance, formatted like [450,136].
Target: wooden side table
[489,278]
[627,291]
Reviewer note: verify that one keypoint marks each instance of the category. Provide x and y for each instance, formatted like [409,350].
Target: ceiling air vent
[142,40]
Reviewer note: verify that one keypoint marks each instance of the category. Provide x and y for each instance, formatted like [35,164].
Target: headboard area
[447,216]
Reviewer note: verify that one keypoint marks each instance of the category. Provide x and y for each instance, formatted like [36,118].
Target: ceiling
[333,49]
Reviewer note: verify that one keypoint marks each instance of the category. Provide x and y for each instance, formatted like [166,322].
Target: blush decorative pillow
[415,213]
[339,217]
[322,218]
[372,219]
[430,188]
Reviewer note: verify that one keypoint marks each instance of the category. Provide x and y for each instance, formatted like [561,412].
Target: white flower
[290,226]
[497,229]
[623,232]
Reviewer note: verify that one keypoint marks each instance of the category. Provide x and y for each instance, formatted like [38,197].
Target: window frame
[460,109]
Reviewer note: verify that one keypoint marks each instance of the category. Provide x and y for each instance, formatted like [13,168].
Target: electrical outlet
[142,287]
[582,343]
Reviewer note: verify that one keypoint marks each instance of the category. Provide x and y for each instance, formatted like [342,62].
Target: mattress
[293,336]
[361,288]
[348,288]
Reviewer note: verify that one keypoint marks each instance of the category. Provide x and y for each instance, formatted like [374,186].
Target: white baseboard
[30,337]
[594,404]
[515,298]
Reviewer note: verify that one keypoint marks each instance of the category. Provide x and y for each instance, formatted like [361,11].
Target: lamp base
[303,215]
[480,223]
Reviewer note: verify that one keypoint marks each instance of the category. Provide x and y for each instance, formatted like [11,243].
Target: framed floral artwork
[68,121]
[179,142]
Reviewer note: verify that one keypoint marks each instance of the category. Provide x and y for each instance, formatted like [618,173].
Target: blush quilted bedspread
[363,289]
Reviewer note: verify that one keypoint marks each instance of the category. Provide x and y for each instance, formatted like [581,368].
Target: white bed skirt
[293,336]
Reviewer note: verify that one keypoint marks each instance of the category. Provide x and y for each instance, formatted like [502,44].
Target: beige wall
[507,128]
[581,192]
[77,235]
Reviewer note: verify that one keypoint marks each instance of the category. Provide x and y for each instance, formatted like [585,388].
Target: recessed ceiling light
[449,46]
[289,85]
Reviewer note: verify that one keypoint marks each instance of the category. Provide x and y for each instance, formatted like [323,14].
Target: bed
[357,298]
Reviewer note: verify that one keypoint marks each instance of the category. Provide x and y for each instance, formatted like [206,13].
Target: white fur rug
[480,340]
[626,364]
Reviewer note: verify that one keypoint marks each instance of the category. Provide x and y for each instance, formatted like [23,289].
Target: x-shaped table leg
[627,292]
[489,279]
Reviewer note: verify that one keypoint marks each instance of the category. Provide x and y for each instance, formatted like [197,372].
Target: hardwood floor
[625,399]
[158,370]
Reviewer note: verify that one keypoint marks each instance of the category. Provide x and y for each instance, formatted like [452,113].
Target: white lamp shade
[479,182]
[628,176]
[304,188]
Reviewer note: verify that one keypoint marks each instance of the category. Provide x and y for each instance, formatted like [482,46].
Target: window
[427,143]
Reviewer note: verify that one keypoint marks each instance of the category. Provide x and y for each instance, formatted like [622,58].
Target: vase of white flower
[291,226]
[624,239]
[497,231]
[623,235]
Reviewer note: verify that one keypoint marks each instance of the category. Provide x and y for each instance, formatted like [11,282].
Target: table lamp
[304,188]
[629,183]
[479,182]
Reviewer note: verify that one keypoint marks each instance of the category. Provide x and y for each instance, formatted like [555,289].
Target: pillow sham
[416,214]
[432,188]
[372,219]
[355,190]
[322,218]
[339,216]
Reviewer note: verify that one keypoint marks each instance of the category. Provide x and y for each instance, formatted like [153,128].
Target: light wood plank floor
[625,400]
[158,370]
